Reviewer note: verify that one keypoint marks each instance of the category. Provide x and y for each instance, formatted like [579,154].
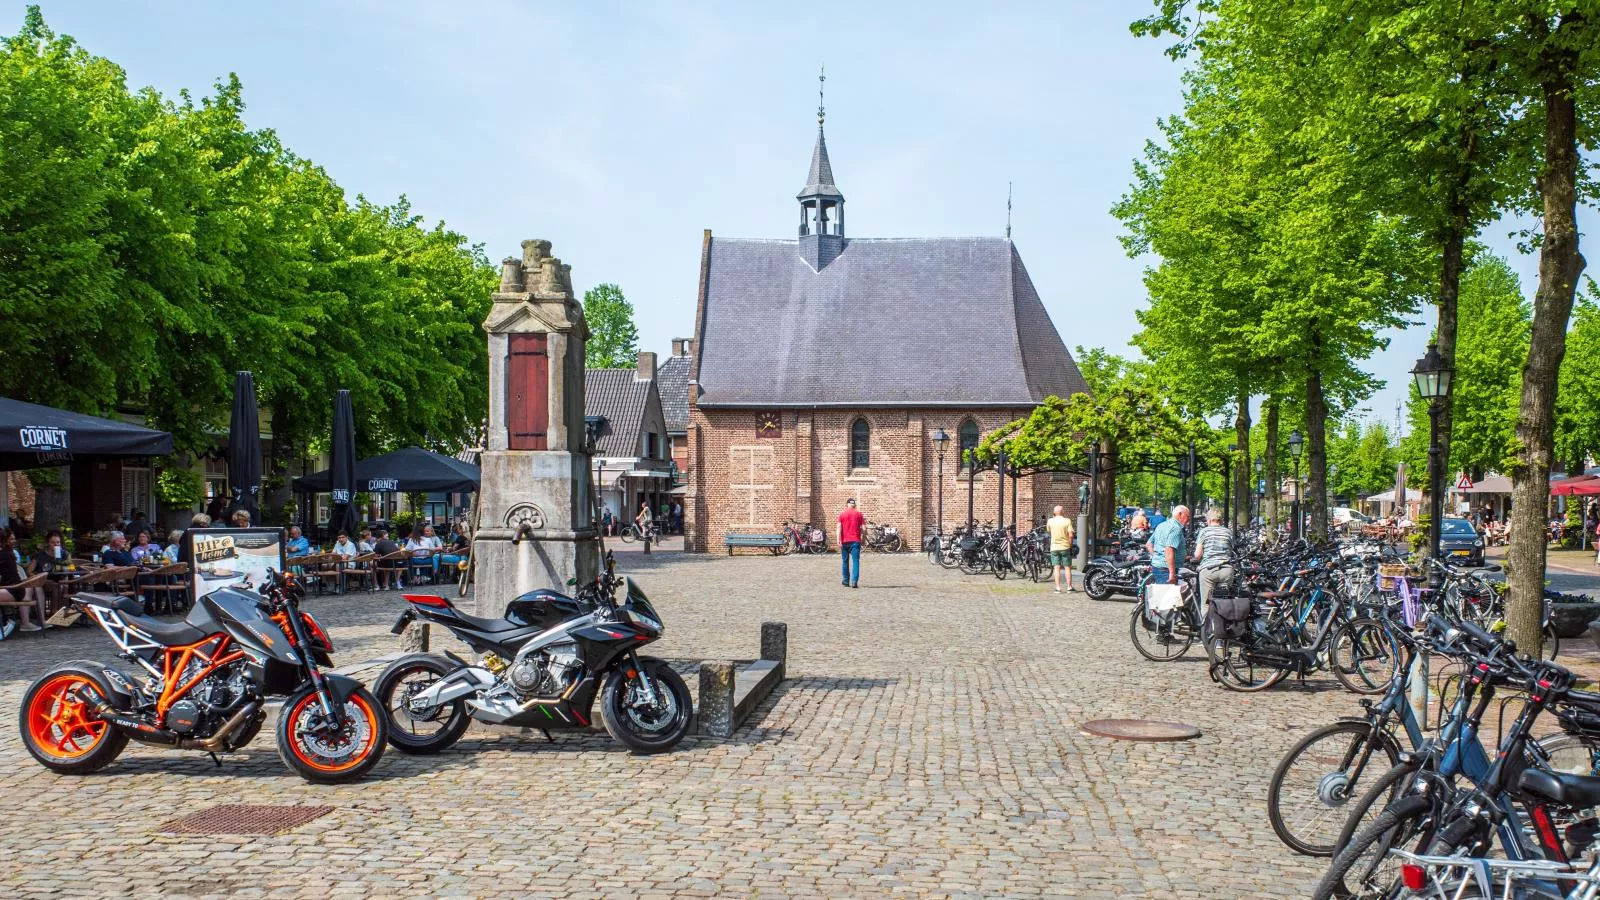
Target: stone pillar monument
[536,523]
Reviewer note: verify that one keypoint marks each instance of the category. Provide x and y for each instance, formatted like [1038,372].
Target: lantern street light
[1433,379]
[941,442]
[1296,442]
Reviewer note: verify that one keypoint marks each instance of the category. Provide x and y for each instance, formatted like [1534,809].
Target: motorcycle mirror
[571,582]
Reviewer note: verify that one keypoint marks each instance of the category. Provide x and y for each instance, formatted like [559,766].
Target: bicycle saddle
[1576,791]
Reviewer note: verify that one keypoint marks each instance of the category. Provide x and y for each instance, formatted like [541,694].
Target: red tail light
[427,600]
[1414,876]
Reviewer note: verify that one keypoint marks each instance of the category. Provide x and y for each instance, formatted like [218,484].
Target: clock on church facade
[769,425]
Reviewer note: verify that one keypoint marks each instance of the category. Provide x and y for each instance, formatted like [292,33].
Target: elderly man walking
[1060,528]
[850,522]
[1167,547]
[1213,552]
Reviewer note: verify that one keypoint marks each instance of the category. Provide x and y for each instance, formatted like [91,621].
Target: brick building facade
[823,367]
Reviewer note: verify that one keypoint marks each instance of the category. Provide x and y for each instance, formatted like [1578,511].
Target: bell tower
[821,203]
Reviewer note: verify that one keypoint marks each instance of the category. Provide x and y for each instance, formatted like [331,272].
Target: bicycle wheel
[971,563]
[1364,867]
[1233,668]
[628,534]
[1309,796]
[1570,754]
[1363,656]
[1366,808]
[1159,638]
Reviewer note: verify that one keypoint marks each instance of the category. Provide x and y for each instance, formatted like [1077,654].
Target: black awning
[402,471]
[32,435]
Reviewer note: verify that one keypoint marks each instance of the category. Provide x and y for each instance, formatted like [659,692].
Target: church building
[825,366]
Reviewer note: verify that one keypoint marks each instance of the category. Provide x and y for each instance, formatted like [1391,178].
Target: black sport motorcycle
[1116,573]
[543,664]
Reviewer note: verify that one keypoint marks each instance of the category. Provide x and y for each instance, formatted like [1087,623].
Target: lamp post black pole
[939,526]
[1013,502]
[971,464]
[1295,530]
[1000,492]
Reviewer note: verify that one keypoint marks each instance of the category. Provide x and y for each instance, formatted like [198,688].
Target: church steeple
[821,203]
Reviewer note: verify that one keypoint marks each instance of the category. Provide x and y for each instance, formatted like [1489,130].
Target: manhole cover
[1141,730]
[246,818]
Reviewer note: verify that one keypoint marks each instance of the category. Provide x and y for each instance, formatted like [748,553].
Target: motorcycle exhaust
[218,742]
[144,731]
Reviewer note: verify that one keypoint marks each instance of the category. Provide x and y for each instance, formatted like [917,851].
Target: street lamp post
[1296,529]
[940,442]
[1433,379]
[972,463]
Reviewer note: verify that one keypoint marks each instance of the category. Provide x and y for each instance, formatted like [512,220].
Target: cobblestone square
[926,744]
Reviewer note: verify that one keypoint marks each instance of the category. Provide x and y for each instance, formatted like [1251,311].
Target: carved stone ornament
[524,515]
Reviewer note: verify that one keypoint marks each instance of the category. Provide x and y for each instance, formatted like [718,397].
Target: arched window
[860,444]
[968,441]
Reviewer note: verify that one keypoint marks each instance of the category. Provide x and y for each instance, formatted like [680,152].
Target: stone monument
[536,522]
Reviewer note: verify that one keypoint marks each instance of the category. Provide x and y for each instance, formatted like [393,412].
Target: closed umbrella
[244,449]
[342,475]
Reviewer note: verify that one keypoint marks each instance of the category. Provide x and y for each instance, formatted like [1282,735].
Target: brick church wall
[743,482]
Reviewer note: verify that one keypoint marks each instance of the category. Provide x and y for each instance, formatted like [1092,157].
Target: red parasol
[1577,485]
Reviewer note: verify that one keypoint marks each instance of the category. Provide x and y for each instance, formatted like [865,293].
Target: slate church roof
[913,322]
[672,380]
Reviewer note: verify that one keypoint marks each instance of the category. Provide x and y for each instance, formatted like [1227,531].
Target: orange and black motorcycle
[204,685]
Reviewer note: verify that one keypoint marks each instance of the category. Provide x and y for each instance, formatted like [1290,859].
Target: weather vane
[821,77]
[1008,210]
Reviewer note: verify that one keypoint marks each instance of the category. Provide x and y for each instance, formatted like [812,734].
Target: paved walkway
[928,744]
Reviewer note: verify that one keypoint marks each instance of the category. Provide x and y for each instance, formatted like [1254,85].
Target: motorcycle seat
[167,633]
[1576,791]
[488,625]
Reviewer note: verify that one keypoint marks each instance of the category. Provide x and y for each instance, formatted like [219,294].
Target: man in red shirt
[850,522]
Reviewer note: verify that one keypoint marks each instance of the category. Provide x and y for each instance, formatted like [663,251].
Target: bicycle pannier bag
[1160,598]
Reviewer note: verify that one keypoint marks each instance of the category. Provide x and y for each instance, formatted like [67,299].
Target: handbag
[1160,598]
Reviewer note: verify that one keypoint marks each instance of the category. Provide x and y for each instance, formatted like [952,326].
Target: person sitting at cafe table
[51,557]
[424,543]
[345,547]
[364,543]
[390,572]
[117,553]
[174,546]
[456,553]
[298,544]
[9,575]
[240,518]
[144,552]
[137,525]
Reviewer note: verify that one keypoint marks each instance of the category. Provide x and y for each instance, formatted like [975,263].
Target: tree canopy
[152,246]
[613,338]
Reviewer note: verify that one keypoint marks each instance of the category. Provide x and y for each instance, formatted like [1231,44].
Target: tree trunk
[1105,489]
[52,504]
[1560,263]
[1241,461]
[1315,494]
[1274,486]
[1449,294]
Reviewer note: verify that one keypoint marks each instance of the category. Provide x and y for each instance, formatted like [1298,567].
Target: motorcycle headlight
[644,621]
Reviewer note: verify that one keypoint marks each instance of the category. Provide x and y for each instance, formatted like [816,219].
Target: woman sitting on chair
[9,575]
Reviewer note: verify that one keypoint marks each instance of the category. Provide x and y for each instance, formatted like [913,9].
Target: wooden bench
[773,542]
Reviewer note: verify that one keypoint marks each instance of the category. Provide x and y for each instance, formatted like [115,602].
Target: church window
[860,444]
[968,441]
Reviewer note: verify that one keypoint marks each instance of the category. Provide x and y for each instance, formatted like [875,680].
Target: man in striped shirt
[1213,551]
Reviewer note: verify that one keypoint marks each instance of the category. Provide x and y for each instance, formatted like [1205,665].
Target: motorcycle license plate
[404,620]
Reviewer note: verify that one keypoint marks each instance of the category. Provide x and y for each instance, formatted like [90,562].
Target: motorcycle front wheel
[322,753]
[634,721]
[411,731]
[1094,585]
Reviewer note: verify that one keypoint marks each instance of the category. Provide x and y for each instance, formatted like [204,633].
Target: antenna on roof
[1008,210]
[822,75]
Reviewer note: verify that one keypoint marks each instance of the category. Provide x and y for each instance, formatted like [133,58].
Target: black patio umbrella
[342,475]
[244,449]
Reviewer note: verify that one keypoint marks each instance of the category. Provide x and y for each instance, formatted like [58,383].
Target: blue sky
[621,131]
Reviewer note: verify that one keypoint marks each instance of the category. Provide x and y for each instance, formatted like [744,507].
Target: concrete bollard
[415,638]
[775,644]
[716,698]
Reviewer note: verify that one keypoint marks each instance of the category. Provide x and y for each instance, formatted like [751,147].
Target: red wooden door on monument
[528,394]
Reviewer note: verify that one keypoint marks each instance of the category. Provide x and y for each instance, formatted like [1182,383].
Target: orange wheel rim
[356,746]
[59,724]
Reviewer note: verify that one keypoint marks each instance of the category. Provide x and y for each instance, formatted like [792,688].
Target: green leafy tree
[1578,407]
[613,338]
[1361,460]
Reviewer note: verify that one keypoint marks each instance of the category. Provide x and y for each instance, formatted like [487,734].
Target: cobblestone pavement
[927,743]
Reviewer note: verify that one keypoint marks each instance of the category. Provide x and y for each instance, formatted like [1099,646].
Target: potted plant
[1570,614]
